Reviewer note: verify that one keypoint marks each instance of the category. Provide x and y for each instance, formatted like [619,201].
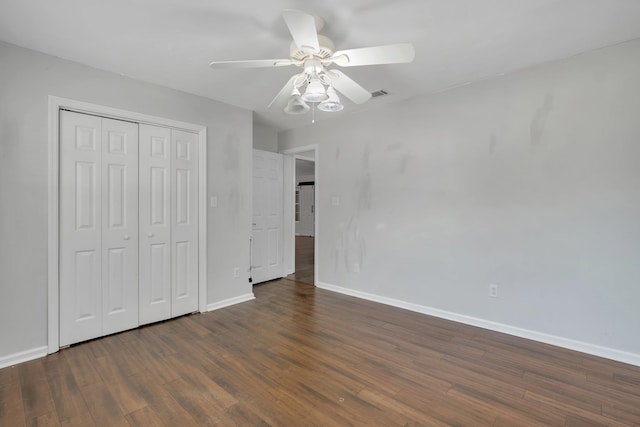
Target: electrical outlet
[236,272]
[214,202]
[356,268]
[335,201]
[493,291]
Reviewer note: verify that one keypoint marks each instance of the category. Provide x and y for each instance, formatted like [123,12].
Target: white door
[267,242]
[119,225]
[128,225]
[168,223]
[155,223]
[305,226]
[98,226]
[184,222]
[80,228]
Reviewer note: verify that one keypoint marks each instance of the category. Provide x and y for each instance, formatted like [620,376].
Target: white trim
[307,158]
[230,301]
[202,220]
[317,184]
[288,214]
[57,103]
[593,349]
[53,330]
[23,356]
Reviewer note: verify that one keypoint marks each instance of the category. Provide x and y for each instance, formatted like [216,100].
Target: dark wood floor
[304,260]
[298,355]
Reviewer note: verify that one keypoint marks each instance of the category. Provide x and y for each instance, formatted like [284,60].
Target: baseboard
[596,350]
[35,353]
[23,356]
[230,301]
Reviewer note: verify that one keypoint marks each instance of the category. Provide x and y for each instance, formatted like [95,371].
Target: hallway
[304,260]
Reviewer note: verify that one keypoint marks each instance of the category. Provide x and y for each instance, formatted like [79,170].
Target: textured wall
[529,181]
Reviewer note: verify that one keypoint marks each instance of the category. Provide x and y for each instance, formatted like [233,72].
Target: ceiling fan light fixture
[332,104]
[315,91]
[296,105]
[314,52]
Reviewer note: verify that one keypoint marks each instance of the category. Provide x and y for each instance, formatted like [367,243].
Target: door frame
[289,229]
[53,227]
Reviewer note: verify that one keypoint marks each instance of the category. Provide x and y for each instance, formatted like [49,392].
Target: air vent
[378,93]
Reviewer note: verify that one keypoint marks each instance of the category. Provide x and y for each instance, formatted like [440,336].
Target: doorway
[303,192]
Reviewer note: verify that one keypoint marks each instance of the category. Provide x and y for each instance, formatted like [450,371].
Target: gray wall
[26,80]
[264,137]
[530,181]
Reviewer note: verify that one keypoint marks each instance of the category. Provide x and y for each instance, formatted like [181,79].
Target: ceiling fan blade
[349,88]
[387,54]
[302,27]
[281,99]
[258,63]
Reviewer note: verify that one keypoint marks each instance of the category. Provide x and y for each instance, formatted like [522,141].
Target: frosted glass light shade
[315,91]
[332,103]
[296,105]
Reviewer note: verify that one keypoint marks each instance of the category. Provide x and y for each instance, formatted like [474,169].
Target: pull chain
[313,113]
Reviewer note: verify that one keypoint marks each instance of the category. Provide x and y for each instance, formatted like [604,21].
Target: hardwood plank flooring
[297,355]
[304,260]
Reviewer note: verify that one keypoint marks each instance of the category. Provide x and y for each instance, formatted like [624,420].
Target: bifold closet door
[98,226]
[184,222]
[168,223]
[155,223]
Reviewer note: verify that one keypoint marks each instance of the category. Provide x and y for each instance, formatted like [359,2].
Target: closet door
[98,226]
[155,223]
[184,219]
[168,223]
[119,225]
[80,227]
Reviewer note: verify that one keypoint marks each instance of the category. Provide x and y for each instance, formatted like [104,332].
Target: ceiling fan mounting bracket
[301,54]
[313,66]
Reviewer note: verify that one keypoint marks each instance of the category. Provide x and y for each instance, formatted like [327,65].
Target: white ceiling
[171,42]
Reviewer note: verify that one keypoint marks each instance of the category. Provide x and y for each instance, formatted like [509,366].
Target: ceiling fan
[314,52]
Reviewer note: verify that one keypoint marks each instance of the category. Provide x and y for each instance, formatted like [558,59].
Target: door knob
[149,234]
[126,237]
